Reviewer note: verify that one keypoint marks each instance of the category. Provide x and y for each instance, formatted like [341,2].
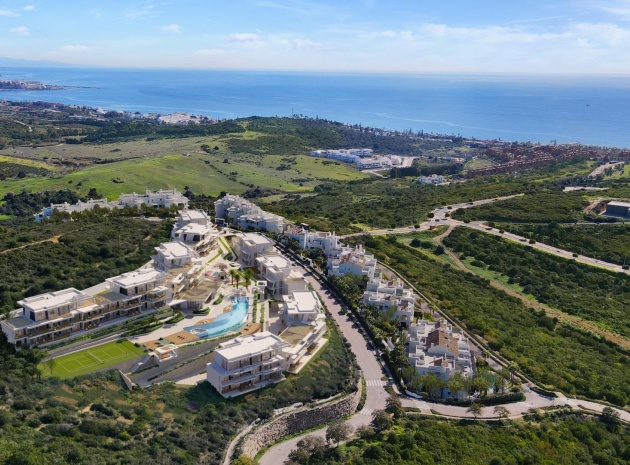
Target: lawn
[90,360]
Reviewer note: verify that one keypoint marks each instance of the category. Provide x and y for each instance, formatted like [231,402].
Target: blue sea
[586,109]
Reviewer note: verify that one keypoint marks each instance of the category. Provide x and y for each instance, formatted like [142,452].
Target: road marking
[374,383]
[367,412]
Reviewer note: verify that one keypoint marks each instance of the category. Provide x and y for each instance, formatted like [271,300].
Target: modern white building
[385,294]
[187,216]
[247,363]
[309,240]
[161,198]
[347,155]
[200,237]
[301,308]
[435,348]
[432,179]
[174,255]
[78,207]
[245,215]
[280,274]
[374,163]
[249,246]
[351,260]
[52,316]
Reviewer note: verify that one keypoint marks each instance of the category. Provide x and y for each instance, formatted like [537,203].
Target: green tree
[248,275]
[393,405]
[475,409]
[338,431]
[501,411]
[381,421]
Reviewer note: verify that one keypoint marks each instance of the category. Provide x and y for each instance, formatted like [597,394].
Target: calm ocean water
[590,110]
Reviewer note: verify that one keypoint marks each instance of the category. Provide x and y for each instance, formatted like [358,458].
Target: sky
[406,36]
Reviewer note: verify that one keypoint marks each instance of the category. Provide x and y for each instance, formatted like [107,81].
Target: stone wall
[267,434]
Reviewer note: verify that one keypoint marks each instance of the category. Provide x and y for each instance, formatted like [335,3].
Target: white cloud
[21,30]
[306,43]
[243,37]
[74,48]
[29,8]
[172,28]
[145,11]
[4,12]
[209,52]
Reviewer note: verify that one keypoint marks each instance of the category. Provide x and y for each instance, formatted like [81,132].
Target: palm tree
[513,367]
[247,274]
[233,275]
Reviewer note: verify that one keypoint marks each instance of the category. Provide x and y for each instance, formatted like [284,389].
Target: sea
[592,110]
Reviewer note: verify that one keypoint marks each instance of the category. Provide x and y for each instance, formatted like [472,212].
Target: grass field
[89,360]
[201,172]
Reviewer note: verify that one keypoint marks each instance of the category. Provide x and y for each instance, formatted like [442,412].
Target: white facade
[355,261]
[247,363]
[240,212]
[435,348]
[374,163]
[281,276]
[248,246]
[174,255]
[309,240]
[385,294]
[433,179]
[161,198]
[301,308]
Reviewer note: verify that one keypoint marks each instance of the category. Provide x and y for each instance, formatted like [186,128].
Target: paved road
[372,372]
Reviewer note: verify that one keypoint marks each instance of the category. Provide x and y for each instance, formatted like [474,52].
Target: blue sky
[513,36]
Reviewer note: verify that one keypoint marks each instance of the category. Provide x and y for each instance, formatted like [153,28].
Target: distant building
[174,255]
[434,347]
[619,209]
[280,274]
[193,228]
[247,363]
[309,240]
[432,179]
[351,260]
[239,212]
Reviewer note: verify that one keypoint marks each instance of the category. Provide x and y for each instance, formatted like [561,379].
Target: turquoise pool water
[224,323]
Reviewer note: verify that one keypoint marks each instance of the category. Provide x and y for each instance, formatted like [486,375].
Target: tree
[244,460]
[338,431]
[247,274]
[381,421]
[475,409]
[501,411]
[499,383]
[456,383]
[234,275]
[306,448]
[50,364]
[513,367]
[393,405]
[431,383]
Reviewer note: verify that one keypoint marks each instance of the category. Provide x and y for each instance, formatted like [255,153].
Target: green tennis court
[89,360]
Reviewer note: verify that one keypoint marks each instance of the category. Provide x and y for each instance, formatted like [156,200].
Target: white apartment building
[174,255]
[56,315]
[384,294]
[199,237]
[355,261]
[187,216]
[161,198]
[248,246]
[243,214]
[47,212]
[374,163]
[301,308]
[309,240]
[435,348]
[432,179]
[347,155]
[280,274]
[247,363]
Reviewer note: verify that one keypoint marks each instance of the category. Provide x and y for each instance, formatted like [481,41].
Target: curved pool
[225,322]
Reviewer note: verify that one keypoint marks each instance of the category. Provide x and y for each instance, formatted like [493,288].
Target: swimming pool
[224,323]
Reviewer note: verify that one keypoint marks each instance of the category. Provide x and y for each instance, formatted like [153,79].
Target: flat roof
[194,228]
[256,238]
[257,343]
[192,215]
[136,277]
[53,299]
[619,204]
[174,249]
[275,260]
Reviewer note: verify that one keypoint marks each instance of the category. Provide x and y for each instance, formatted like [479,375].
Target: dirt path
[552,312]
[54,240]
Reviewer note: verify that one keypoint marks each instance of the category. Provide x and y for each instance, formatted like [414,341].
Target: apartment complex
[56,315]
[247,363]
[249,246]
[434,347]
[237,211]
[310,240]
[386,294]
[352,260]
[280,274]
[174,255]
[160,198]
